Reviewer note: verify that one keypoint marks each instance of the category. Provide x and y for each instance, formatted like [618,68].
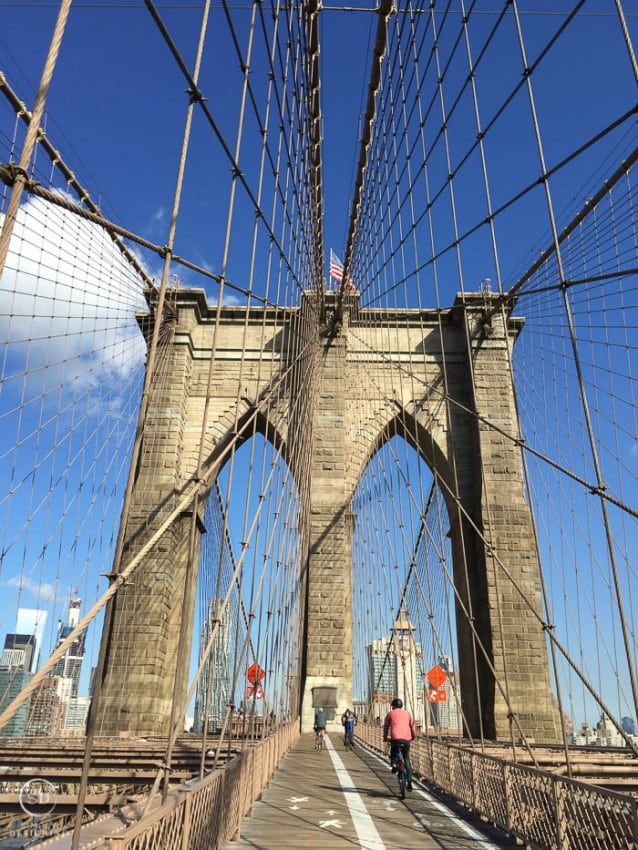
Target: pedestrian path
[338,799]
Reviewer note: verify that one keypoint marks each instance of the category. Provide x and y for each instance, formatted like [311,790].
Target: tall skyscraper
[19,651]
[77,712]
[70,665]
[19,661]
[409,667]
[28,636]
[12,681]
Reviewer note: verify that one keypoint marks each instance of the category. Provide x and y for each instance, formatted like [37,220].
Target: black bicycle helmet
[397,703]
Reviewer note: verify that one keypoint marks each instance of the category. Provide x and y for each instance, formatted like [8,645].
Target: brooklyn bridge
[318,389]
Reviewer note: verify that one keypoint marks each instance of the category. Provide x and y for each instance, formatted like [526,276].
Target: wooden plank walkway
[342,800]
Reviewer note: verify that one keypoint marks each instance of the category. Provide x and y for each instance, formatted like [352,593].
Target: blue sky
[116,111]
[116,108]
[117,102]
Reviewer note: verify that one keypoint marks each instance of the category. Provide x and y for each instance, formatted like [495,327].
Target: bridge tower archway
[440,379]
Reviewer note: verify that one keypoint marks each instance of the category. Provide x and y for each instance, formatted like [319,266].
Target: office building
[76,715]
[31,621]
[19,651]
[382,676]
[70,665]
[47,711]
[22,647]
[395,670]
[13,680]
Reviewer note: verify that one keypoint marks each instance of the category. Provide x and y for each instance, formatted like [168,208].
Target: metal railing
[546,811]
[205,814]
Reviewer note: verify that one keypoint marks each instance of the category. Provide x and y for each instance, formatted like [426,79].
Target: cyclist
[348,721]
[399,730]
[319,727]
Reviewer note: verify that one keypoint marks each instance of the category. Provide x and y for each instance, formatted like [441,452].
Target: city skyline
[56,705]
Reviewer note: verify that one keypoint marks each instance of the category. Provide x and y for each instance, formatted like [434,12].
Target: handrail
[545,810]
[204,814]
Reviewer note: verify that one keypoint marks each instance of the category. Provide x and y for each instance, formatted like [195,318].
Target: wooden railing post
[186,823]
[473,780]
[559,808]
[507,794]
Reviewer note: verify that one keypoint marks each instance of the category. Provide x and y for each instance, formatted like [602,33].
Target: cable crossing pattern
[318,377]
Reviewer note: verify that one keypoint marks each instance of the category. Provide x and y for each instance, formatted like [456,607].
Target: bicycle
[402,767]
[319,740]
[348,740]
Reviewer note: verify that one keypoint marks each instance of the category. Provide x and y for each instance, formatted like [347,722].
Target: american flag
[336,267]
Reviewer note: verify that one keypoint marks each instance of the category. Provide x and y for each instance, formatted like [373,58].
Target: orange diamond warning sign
[255,674]
[436,676]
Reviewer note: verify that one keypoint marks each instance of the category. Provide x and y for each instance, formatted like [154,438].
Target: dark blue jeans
[404,746]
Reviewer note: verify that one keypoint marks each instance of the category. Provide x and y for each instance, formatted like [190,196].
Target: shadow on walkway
[338,799]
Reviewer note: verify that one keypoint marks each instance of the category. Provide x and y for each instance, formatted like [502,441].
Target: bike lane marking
[369,838]
[481,840]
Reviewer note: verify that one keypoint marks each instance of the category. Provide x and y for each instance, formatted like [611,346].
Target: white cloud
[232,300]
[45,592]
[157,220]
[159,215]
[68,299]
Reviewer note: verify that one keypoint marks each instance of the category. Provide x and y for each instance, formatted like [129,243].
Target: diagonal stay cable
[56,159]
[7,175]
[608,184]
[195,93]
[494,118]
[192,488]
[617,175]
[548,628]
[594,489]
[384,11]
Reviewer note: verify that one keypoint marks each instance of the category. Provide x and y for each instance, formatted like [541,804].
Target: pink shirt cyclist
[399,726]
[399,729]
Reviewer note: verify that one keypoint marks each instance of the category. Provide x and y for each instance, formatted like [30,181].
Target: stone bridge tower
[439,379]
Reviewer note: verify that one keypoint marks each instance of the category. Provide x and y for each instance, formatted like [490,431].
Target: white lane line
[369,838]
[481,840]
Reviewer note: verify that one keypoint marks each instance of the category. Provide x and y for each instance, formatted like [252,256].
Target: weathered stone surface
[422,375]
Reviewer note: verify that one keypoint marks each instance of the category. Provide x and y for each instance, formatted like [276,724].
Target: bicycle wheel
[402,786]
[402,774]
[320,743]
